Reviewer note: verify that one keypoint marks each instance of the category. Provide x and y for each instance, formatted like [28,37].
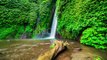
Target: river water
[31,49]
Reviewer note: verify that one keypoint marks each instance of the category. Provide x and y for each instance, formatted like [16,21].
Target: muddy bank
[31,49]
[22,50]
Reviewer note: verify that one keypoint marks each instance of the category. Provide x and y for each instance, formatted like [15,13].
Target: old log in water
[51,54]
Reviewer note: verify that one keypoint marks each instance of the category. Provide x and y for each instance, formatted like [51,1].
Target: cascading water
[54,26]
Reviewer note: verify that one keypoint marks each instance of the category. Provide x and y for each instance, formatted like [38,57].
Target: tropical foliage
[76,18]
[22,17]
[86,18]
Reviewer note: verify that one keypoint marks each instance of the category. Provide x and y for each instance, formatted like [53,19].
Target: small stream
[31,49]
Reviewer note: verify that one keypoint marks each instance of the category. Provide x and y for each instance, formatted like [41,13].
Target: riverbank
[31,49]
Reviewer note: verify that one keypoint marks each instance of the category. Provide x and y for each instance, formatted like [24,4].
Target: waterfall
[54,26]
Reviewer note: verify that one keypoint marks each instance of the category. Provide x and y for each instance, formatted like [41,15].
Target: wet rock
[77,49]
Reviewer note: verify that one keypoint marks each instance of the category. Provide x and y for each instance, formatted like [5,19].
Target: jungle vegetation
[86,19]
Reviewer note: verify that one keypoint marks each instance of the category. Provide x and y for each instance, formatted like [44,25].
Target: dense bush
[5,32]
[23,14]
[95,36]
[85,17]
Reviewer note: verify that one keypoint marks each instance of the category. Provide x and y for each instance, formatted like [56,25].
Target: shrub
[5,32]
[96,37]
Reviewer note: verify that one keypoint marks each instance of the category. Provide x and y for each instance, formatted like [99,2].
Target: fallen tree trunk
[51,54]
